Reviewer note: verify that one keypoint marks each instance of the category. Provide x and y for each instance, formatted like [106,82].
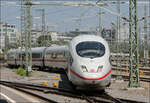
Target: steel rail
[113,99]
[64,92]
[127,77]
[145,73]
[95,98]
[131,101]
[46,88]
[30,93]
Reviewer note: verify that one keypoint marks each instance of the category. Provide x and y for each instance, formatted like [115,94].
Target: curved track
[90,97]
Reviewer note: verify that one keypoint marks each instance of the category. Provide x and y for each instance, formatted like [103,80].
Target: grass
[20,71]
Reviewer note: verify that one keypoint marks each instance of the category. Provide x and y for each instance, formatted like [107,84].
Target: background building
[10,31]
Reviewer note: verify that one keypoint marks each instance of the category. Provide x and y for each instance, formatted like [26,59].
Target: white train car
[89,64]
[56,57]
[11,57]
[38,56]
[18,57]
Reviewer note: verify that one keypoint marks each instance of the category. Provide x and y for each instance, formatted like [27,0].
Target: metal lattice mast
[43,24]
[28,36]
[100,19]
[22,24]
[118,26]
[6,41]
[118,21]
[145,36]
[43,21]
[134,50]
[118,36]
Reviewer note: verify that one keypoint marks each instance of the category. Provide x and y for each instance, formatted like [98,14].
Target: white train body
[11,57]
[90,65]
[85,59]
[38,56]
[56,57]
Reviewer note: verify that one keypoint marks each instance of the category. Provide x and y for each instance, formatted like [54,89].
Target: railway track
[36,90]
[127,65]
[124,72]
[126,77]
[124,61]
[143,71]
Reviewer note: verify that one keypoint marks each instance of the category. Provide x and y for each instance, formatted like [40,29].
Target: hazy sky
[64,18]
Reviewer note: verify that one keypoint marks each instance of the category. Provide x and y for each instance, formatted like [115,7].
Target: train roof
[119,54]
[34,50]
[38,49]
[12,51]
[82,38]
[57,48]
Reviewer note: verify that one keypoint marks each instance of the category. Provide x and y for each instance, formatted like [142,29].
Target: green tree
[13,45]
[43,40]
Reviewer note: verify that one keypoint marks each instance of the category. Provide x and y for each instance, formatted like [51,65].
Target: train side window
[54,55]
[60,55]
[35,55]
[49,55]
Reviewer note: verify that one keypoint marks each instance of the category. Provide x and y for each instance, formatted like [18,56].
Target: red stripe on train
[90,78]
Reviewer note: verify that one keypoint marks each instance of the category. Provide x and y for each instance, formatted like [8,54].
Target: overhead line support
[28,52]
[145,36]
[134,49]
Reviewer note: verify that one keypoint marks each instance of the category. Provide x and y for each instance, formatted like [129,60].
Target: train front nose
[91,79]
[97,81]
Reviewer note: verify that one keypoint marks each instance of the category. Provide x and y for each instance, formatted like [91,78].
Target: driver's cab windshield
[90,49]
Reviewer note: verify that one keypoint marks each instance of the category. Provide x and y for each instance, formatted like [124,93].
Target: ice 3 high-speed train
[85,60]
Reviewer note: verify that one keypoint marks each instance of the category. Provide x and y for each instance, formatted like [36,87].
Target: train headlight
[84,69]
[99,68]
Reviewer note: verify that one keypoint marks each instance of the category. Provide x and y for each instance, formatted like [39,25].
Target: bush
[20,71]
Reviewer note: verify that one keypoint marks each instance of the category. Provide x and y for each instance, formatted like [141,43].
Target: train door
[15,57]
